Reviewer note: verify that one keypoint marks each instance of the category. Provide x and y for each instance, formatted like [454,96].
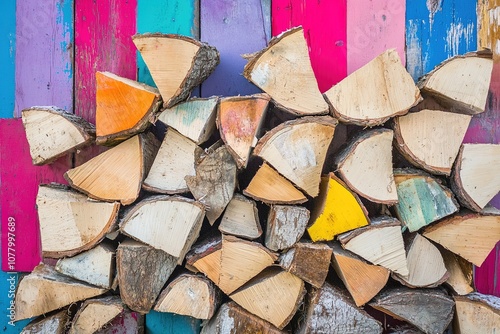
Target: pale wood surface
[241,218]
[94,314]
[477,313]
[54,324]
[285,226]
[461,272]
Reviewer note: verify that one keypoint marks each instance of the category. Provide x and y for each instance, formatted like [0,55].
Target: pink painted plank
[44,54]
[19,181]
[487,278]
[325,28]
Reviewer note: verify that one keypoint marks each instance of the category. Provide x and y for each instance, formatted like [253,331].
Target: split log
[45,290]
[194,119]
[142,273]
[475,180]
[270,187]
[241,218]
[177,63]
[175,160]
[116,174]
[53,324]
[461,272]
[431,139]
[472,236]
[430,310]
[285,226]
[95,266]
[124,107]
[297,149]
[239,119]
[380,243]
[387,90]
[426,268]
[214,183]
[127,322]
[191,295]
[422,199]
[309,262]
[336,210]
[283,70]
[477,313]
[94,314]
[232,318]
[363,280]
[460,83]
[170,224]
[365,165]
[331,310]
[274,295]
[70,223]
[53,132]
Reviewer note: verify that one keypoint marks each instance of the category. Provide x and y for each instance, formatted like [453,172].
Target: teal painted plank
[168,323]
[7,61]
[8,284]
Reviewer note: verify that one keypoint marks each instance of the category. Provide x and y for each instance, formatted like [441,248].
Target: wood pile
[277,212]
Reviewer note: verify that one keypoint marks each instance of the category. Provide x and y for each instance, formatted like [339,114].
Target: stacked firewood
[285,211]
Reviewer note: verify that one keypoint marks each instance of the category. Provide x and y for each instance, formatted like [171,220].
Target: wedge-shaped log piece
[232,318]
[194,118]
[94,314]
[379,243]
[422,199]
[363,280]
[331,310]
[71,223]
[430,310]
[472,236]
[45,290]
[387,90]
[127,322]
[214,183]
[116,174]
[461,273]
[54,324]
[336,210]
[475,180]
[53,132]
[365,165]
[285,226]
[205,256]
[284,71]
[297,149]
[241,218]
[95,266]
[460,83]
[274,295]
[270,187]
[123,107]
[425,264]
[239,119]
[177,63]
[477,313]
[308,261]
[142,273]
[192,295]
[431,139]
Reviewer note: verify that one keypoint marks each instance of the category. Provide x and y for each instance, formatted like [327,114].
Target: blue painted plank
[7,53]
[8,284]
[168,323]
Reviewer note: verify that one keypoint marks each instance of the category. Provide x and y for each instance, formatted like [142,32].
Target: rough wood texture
[461,273]
[331,310]
[52,133]
[94,314]
[274,295]
[142,273]
[55,324]
[285,226]
[45,290]
[127,322]
[241,218]
[365,165]
[477,313]
[472,236]
[69,222]
[430,310]
[283,70]
[297,149]
[422,199]
[336,210]
[388,90]
[177,63]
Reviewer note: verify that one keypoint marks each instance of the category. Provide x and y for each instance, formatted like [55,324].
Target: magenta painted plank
[44,54]
[325,28]
[19,181]
[487,277]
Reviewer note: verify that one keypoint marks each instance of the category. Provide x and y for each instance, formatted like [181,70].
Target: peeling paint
[455,34]
[433,6]
[413,51]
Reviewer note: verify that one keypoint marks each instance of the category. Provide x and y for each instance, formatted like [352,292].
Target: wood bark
[285,226]
[54,324]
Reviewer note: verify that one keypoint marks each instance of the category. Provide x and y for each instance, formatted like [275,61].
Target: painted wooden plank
[44,54]
[7,53]
[234,28]
[8,285]
[325,28]
[169,323]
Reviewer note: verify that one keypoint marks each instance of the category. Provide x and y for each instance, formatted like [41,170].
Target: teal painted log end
[7,60]
[169,323]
